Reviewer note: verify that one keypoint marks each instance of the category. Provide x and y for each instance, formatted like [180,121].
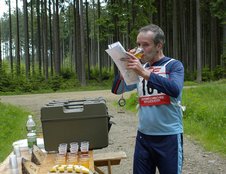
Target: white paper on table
[116,51]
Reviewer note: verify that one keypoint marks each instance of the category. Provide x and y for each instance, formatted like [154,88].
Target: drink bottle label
[31,140]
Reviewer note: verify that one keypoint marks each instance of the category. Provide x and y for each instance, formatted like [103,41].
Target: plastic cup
[60,159]
[62,148]
[63,145]
[84,147]
[16,150]
[74,144]
[72,159]
[74,147]
[74,150]
[84,161]
[13,162]
[14,171]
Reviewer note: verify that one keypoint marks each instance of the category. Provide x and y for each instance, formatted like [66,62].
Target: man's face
[145,41]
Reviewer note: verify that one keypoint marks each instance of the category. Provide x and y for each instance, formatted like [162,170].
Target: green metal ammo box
[75,120]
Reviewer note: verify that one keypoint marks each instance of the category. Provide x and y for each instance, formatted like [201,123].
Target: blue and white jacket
[160,110]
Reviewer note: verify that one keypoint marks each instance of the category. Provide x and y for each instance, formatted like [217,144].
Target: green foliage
[219,72]
[55,82]
[132,102]
[20,84]
[217,8]
[206,74]
[189,76]
[66,74]
[4,82]
[119,14]
[205,113]
[13,120]
[142,10]
[106,27]
[95,74]
[67,80]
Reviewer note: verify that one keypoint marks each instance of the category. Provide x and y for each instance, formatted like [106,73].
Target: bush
[95,74]
[5,82]
[218,72]
[67,74]
[55,82]
[206,74]
[189,76]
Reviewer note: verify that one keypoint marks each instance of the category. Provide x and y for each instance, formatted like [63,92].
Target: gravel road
[122,134]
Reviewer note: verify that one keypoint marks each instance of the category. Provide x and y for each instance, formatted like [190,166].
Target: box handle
[73,108]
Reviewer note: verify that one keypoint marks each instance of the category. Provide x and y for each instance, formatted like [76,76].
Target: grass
[205,115]
[12,127]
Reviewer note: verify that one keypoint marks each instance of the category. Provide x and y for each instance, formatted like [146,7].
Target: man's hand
[134,64]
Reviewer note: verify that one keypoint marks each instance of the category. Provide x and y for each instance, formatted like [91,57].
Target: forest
[48,41]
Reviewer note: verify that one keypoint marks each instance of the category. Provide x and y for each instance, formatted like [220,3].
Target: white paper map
[116,51]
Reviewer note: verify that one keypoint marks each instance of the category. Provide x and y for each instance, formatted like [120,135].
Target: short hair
[159,36]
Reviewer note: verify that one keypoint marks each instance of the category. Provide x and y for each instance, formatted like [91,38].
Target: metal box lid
[74,109]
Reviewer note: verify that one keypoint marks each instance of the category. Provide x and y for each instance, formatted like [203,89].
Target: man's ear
[160,46]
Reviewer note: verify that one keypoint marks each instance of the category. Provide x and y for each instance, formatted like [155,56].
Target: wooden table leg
[98,170]
[109,167]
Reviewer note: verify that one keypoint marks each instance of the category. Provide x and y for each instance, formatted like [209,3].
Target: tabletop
[46,165]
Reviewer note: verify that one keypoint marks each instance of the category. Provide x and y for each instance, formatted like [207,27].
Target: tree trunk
[32,42]
[74,37]
[39,38]
[17,41]
[45,39]
[175,32]
[213,42]
[42,37]
[183,46]
[50,40]
[0,47]
[98,41]
[223,63]
[199,58]
[83,70]
[88,39]
[78,45]
[57,40]
[116,34]
[26,44]
[192,63]
[10,40]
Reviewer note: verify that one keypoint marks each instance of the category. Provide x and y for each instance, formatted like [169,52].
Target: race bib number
[154,100]
[149,96]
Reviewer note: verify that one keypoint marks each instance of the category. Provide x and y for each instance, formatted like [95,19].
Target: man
[159,141]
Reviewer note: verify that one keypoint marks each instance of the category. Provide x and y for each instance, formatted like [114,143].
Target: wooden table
[96,160]
[108,159]
[44,167]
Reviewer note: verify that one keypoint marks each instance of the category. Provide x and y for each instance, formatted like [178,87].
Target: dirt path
[122,134]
